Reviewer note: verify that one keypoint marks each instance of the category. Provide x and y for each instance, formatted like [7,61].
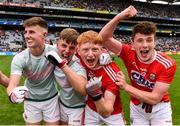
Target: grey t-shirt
[68,96]
[39,73]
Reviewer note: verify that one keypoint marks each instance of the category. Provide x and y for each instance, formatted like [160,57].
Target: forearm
[13,82]
[143,96]
[103,107]
[78,82]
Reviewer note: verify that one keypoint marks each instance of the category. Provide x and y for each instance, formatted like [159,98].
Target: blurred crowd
[13,40]
[144,9]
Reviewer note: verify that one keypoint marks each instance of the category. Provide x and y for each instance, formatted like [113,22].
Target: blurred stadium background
[84,15]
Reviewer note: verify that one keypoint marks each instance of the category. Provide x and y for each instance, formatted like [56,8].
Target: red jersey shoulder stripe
[165,62]
[111,73]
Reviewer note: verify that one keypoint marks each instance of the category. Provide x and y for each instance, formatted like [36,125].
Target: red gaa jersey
[108,73]
[145,75]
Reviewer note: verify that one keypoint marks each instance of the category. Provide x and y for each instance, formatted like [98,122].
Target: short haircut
[36,21]
[145,27]
[70,35]
[90,36]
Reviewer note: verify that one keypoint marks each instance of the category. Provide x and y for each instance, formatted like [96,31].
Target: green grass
[11,114]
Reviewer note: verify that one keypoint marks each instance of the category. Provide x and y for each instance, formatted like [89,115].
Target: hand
[120,80]
[147,107]
[104,59]
[18,94]
[128,12]
[93,88]
[55,59]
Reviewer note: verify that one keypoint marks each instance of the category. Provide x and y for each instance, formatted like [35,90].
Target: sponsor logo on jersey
[140,80]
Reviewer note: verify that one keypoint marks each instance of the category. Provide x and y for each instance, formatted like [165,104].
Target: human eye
[139,40]
[149,40]
[63,45]
[72,48]
[85,50]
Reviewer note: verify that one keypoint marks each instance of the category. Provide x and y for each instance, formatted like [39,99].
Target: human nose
[26,34]
[145,44]
[67,49]
[90,52]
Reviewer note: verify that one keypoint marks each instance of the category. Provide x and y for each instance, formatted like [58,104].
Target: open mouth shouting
[90,62]
[144,53]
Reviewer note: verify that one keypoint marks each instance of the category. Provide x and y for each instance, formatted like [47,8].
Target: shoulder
[111,70]
[22,54]
[127,51]
[50,47]
[165,60]
[113,66]
[76,64]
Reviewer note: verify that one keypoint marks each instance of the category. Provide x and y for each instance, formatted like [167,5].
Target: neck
[37,51]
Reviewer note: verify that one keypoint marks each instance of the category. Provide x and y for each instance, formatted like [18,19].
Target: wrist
[125,88]
[62,64]
[96,98]
[10,98]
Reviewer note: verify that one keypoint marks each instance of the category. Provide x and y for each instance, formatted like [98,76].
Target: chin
[90,66]
[145,59]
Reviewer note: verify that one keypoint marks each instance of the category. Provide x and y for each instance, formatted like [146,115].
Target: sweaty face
[34,35]
[144,46]
[66,50]
[90,53]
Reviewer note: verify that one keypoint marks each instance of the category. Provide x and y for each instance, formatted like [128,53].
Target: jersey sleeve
[167,75]
[111,86]
[17,65]
[80,70]
[124,51]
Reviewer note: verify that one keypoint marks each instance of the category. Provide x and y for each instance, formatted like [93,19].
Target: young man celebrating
[150,72]
[103,102]
[70,75]
[41,102]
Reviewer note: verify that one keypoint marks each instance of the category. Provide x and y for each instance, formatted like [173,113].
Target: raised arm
[108,30]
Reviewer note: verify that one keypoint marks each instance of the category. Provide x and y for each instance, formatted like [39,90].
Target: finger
[120,73]
[120,78]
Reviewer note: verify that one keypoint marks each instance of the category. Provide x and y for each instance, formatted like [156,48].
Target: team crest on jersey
[152,76]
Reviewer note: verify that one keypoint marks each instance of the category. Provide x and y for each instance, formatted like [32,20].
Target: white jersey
[39,74]
[68,96]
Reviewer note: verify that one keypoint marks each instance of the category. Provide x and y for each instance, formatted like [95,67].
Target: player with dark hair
[150,72]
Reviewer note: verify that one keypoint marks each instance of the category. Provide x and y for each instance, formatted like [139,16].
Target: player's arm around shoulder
[78,81]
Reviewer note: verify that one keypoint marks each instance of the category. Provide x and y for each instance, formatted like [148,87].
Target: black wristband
[98,97]
[10,98]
